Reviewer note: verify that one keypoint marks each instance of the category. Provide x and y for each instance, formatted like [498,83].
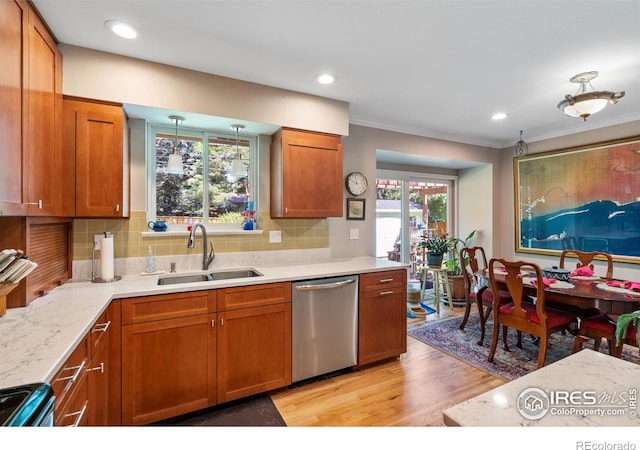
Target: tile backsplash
[130,243]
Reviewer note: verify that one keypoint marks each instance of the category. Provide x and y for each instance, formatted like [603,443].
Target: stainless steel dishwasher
[324,326]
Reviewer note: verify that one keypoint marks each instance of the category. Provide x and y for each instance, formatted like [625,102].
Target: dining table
[580,292]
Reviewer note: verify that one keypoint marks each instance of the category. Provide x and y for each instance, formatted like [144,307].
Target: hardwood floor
[412,390]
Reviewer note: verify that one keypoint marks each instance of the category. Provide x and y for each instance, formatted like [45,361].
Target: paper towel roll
[106,258]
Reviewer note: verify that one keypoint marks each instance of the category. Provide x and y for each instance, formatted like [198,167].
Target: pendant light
[520,148]
[237,166]
[175,167]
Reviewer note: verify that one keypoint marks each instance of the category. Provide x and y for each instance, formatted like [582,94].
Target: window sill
[156,234]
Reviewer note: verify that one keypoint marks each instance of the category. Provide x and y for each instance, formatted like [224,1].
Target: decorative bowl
[556,273]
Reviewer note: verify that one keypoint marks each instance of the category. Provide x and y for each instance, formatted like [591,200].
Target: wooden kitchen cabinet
[168,356]
[102,386]
[306,174]
[254,340]
[33,167]
[382,321]
[94,133]
[71,389]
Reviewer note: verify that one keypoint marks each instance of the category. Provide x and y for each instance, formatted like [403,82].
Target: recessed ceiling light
[499,116]
[122,29]
[325,78]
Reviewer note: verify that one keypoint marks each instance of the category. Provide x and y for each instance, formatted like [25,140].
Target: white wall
[105,76]
[475,200]
[505,223]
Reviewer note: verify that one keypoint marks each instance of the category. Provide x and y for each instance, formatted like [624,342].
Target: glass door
[406,211]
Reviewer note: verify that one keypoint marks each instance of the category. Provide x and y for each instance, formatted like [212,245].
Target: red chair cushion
[555,318]
[601,323]
[487,296]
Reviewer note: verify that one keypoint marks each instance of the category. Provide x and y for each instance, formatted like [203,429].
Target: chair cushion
[487,296]
[602,324]
[555,318]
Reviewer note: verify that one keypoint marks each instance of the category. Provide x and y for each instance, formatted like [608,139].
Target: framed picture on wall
[585,198]
[355,209]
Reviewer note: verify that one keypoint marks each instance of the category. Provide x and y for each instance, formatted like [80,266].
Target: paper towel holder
[95,279]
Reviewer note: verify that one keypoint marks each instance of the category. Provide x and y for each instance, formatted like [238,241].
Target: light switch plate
[97,239]
[275,236]
[354,233]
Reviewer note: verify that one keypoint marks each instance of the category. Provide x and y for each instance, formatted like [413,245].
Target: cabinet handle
[100,368]
[39,203]
[386,280]
[286,210]
[73,377]
[118,207]
[213,323]
[79,415]
[221,321]
[101,327]
[386,293]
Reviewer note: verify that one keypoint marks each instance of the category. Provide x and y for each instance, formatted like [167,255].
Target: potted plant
[436,248]
[455,266]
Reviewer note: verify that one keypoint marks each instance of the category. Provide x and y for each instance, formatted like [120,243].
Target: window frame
[200,133]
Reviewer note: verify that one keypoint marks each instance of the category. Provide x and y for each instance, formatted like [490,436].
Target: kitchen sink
[211,276]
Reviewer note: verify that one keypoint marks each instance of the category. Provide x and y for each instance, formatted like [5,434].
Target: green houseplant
[453,264]
[436,248]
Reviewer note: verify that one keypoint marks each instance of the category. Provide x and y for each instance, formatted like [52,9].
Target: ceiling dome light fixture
[174,166]
[325,78]
[122,29]
[499,116]
[587,101]
[237,166]
[520,148]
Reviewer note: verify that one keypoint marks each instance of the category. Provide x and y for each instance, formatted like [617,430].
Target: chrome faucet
[206,260]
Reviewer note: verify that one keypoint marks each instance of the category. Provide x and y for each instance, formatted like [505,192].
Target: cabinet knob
[118,207]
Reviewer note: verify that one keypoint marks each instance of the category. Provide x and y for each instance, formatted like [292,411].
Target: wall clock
[356,183]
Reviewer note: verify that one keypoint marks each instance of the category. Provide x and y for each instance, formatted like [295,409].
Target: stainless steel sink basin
[231,274]
[184,279]
[211,276]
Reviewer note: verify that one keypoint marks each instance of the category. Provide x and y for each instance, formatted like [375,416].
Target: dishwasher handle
[318,287]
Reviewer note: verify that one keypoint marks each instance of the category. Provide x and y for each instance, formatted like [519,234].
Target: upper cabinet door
[31,99]
[306,174]
[13,25]
[98,134]
[43,130]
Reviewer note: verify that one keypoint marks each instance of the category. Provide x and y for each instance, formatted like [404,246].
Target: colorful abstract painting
[584,198]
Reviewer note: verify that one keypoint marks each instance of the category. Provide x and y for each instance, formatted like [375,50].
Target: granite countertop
[37,339]
[602,391]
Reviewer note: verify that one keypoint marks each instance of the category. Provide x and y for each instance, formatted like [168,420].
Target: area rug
[259,411]
[462,344]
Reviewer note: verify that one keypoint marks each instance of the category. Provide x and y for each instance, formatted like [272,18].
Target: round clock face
[356,183]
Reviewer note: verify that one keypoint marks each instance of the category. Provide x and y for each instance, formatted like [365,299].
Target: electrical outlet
[275,236]
[97,240]
[354,233]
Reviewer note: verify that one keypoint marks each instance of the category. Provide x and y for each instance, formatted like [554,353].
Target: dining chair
[593,323]
[473,260]
[602,327]
[532,318]
[586,259]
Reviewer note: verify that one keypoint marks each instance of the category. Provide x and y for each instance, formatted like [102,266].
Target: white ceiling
[430,68]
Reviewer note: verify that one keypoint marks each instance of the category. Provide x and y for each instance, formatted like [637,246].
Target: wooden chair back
[586,259]
[471,259]
[517,317]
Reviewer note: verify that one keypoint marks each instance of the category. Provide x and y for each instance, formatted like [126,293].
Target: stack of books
[14,266]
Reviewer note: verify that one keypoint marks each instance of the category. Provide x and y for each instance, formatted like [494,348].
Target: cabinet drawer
[383,279]
[100,329]
[167,306]
[75,413]
[71,373]
[252,296]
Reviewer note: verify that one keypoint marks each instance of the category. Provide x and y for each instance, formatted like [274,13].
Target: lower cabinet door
[98,374]
[168,368]
[254,350]
[382,323]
